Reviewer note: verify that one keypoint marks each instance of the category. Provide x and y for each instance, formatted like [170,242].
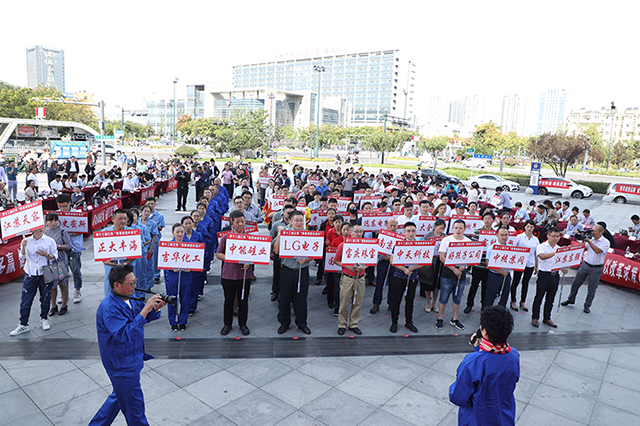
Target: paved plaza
[585,372]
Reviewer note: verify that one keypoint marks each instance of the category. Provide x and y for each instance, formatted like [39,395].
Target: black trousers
[399,286]
[233,289]
[182,197]
[546,285]
[526,276]
[371,275]
[289,293]
[199,192]
[496,283]
[478,276]
[275,283]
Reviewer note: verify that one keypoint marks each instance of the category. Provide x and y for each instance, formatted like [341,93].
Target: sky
[127,51]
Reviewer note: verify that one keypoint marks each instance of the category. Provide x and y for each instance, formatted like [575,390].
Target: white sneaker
[77,297]
[21,329]
[45,324]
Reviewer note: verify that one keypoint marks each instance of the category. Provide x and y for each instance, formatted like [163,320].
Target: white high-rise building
[625,124]
[457,111]
[514,111]
[45,67]
[552,110]
[375,83]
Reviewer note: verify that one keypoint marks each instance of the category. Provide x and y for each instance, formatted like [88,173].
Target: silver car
[493,181]
[622,193]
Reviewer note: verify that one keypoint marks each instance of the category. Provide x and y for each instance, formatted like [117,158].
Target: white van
[620,192]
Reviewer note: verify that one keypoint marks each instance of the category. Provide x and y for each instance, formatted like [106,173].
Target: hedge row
[523,180]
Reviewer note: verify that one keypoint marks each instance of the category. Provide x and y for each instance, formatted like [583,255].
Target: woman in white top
[30,192]
[526,239]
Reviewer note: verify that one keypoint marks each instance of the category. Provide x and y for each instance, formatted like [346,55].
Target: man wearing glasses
[120,320]
[294,281]
[547,283]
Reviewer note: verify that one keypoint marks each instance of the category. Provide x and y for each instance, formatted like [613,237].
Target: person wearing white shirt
[36,251]
[565,213]
[128,184]
[634,230]
[499,281]
[573,227]
[526,239]
[56,185]
[597,249]
[407,216]
[547,283]
[521,212]
[484,195]
[32,176]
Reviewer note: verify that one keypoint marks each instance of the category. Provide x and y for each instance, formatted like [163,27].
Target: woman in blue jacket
[141,266]
[178,283]
[199,277]
[486,378]
[146,280]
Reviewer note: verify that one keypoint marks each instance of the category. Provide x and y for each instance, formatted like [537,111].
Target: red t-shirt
[331,235]
[337,241]
[345,270]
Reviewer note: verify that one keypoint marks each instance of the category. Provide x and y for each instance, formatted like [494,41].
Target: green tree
[488,138]
[381,142]
[433,146]
[596,152]
[558,150]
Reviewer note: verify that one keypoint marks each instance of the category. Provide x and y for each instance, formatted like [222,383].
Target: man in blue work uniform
[159,219]
[486,378]
[119,322]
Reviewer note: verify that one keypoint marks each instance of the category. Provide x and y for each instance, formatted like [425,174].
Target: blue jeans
[448,287]
[126,397]
[29,287]
[381,274]
[13,189]
[75,263]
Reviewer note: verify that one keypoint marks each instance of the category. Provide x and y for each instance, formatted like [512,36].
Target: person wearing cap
[460,209]
[183,178]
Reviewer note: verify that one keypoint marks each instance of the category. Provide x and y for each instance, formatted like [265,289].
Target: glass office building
[160,115]
[375,83]
[45,67]
[195,101]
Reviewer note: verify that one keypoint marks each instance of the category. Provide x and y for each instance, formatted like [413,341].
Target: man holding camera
[120,320]
[591,267]
[486,378]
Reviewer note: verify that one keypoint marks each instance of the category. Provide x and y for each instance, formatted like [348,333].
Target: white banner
[471,222]
[317,217]
[491,238]
[568,257]
[464,253]
[360,251]
[374,222]
[425,224]
[343,202]
[357,195]
[21,219]
[373,199]
[264,180]
[73,222]
[330,260]
[301,244]
[174,255]
[108,245]
[243,248]
[302,207]
[277,202]
[495,200]
[437,240]
[413,253]
[387,241]
[508,257]
[250,229]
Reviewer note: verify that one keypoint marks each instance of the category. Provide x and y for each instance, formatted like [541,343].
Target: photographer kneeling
[120,320]
[486,378]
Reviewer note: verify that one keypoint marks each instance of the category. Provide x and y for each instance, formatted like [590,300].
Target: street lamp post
[271,121]
[319,69]
[175,112]
[613,113]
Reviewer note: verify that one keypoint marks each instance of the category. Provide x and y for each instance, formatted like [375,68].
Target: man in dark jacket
[52,171]
[183,178]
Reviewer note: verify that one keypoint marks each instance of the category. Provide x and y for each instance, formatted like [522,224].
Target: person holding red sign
[499,281]
[75,255]
[526,239]
[591,268]
[547,284]
[178,283]
[405,278]
[294,281]
[351,287]
[119,219]
[235,278]
[452,279]
[480,273]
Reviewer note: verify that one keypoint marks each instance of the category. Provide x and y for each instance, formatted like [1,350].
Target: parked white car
[492,182]
[621,193]
[558,185]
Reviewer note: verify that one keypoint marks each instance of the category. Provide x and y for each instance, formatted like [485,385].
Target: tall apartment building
[456,112]
[375,83]
[552,110]
[45,67]
[623,125]
[513,114]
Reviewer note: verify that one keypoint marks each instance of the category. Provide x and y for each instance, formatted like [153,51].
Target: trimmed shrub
[186,151]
